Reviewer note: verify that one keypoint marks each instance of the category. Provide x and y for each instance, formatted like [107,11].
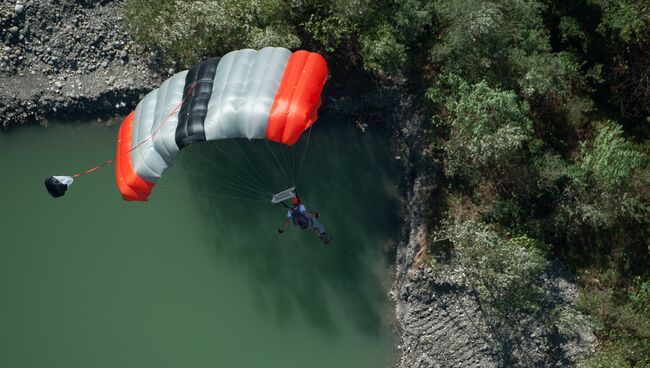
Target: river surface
[196,277]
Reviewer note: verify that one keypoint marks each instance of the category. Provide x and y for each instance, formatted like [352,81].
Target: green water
[192,278]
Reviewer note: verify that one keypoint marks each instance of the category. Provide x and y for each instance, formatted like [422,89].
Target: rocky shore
[63,57]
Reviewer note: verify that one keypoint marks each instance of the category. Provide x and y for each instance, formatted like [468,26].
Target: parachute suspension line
[284,172]
[176,189]
[287,155]
[189,92]
[285,163]
[226,184]
[250,163]
[304,153]
[293,160]
[235,184]
[258,183]
[170,188]
[242,180]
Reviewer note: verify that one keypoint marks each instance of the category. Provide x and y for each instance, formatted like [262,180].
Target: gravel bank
[61,57]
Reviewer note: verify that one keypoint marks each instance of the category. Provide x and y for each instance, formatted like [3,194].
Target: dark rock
[55,41]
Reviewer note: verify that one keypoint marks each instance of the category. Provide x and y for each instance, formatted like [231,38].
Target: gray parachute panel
[170,97]
[243,93]
[147,163]
[152,157]
[244,88]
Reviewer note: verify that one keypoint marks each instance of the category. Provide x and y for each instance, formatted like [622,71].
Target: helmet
[295,201]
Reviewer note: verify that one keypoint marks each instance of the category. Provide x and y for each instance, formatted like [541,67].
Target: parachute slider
[283,195]
[57,185]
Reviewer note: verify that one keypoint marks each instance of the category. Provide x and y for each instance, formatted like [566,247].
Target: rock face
[67,57]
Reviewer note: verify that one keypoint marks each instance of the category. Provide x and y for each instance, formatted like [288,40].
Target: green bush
[625,20]
[413,20]
[381,52]
[506,272]
[624,330]
[331,31]
[611,35]
[601,192]
[484,39]
[488,128]
[186,31]
[640,296]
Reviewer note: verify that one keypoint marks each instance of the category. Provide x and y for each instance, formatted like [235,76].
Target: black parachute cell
[55,187]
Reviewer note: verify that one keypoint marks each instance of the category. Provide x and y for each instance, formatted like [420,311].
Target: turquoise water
[194,278]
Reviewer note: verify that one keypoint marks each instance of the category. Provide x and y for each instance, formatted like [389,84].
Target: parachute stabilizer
[58,185]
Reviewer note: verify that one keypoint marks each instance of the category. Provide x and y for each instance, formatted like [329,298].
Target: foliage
[503,42]
[506,272]
[610,161]
[612,35]
[640,296]
[185,31]
[381,52]
[331,31]
[488,128]
[600,193]
[565,178]
[413,22]
[624,19]
[625,329]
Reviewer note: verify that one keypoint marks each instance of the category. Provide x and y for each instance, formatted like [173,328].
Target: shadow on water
[348,176]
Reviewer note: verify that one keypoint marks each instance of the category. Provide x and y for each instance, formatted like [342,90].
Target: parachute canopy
[270,94]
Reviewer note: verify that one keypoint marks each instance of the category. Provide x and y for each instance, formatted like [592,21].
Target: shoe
[325,238]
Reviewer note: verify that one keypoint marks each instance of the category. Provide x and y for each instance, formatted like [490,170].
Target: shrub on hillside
[488,128]
[505,272]
[601,191]
[186,31]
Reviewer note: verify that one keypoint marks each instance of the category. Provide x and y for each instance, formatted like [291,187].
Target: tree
[601,192]
[186,31]
[505,272]
[488,128]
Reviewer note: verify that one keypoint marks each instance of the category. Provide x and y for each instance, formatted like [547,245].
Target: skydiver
[300,217]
